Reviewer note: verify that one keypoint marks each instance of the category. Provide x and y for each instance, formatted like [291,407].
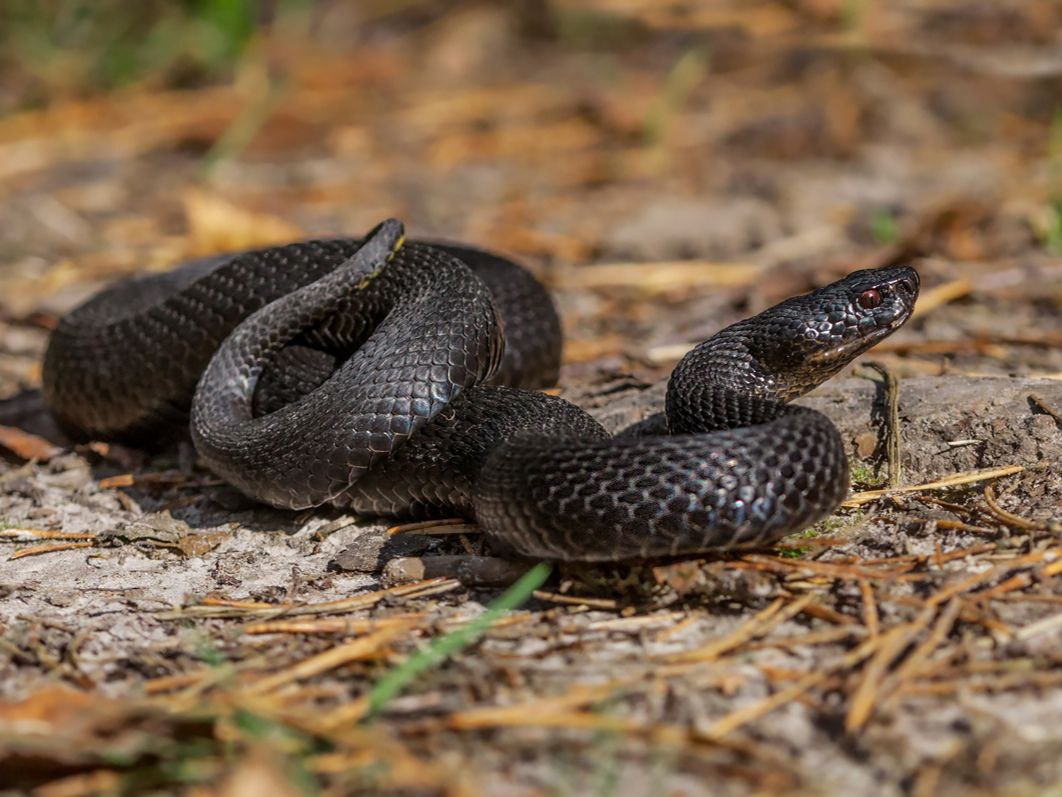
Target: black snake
[375,374]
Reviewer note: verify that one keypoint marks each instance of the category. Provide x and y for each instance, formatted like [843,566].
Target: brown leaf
[197,544]
[217,225]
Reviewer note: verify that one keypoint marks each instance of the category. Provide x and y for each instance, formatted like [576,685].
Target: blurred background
[667,166]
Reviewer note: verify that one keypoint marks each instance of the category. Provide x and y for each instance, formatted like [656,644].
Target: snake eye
[870,299]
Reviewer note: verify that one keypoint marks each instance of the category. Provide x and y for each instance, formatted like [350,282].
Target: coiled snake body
[375,374]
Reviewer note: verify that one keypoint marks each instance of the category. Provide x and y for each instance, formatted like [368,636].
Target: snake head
[858,311]
[827,328]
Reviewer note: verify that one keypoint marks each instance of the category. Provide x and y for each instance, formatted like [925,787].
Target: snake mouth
[857,345]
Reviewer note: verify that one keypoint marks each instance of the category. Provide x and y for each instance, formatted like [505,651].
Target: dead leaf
[197,544]
[217,225]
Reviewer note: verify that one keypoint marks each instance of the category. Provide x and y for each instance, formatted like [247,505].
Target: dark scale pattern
[124,365]
[354,372]
[419,358]
[437,472]
[531,326]
[99,377]
[662,496]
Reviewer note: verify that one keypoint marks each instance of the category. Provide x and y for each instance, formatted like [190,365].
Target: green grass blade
[392,683]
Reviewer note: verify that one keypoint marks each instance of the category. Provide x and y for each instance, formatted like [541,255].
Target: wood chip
[27,446]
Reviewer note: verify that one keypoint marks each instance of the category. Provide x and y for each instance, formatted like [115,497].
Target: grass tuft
[866,476]
[55,48]
[884,227]
[689,71]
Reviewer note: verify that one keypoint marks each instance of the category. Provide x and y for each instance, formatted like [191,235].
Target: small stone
[866,443]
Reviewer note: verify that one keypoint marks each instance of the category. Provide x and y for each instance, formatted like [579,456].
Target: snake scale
[395,378]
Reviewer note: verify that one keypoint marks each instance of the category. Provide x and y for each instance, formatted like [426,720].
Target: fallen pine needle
[828,569]
[635,623]
[332,626]
[44,534]
[361,648]
[747,714]
[575,600]
[986,684]
[956,480]
[50,548]
[434,527]
[870,607]
[775,614]
[1019,581]
[168,478]
[1009,517]
[220,608]
[915,663]
[237,604]
[968,583]
[584,720]
[577,697]
[894,642]
[658,733]
[393,682]
[825,636]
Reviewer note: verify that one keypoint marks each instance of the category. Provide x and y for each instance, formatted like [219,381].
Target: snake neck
[724,384]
